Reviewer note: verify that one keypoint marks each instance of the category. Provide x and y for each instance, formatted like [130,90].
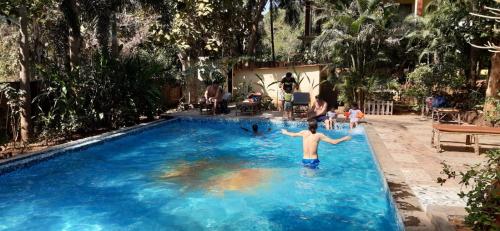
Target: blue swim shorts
[321,118]
[310,163]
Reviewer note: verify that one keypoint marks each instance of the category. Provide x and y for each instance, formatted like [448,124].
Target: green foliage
[111,95]
[357,36]
[422,82]
[493,116]
[8,53]
[13,97]
[483,199]
[426,79]
[204,28]
[286,37]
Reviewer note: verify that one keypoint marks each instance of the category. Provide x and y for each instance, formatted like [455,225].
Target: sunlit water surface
[193,175]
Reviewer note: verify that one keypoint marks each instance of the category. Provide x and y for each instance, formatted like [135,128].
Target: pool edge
[376,146]
[28,159]
[417,219]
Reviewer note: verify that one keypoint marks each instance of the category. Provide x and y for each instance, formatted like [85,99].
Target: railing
[378,107]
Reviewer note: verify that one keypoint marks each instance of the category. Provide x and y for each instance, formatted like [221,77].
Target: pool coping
[381,156]
[413,216]
[30,158]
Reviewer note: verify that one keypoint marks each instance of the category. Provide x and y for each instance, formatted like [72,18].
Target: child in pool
[255,130]
[330,122]
[354,116]
[310,141]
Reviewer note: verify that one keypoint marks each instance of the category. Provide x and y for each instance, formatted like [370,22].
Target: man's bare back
[311,140]
[213,91]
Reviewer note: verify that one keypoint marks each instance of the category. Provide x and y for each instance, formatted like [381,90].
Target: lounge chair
[251,105]
[300,104]
[474,132]
[222,107]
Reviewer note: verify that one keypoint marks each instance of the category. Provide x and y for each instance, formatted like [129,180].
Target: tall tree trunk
[473,66]
[115,47]
[493,83]
[254,27]
[272,30]
[102,34]
[72,16]
[24,75]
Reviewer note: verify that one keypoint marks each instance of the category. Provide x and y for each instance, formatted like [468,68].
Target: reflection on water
[217,176]
[246,179]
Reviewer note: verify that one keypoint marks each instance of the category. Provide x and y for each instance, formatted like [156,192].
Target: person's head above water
[313,126]
[255,128]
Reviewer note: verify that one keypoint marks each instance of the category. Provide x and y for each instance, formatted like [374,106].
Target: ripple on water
[201,175]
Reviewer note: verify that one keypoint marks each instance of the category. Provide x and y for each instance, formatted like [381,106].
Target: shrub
[483,200]
[108,94]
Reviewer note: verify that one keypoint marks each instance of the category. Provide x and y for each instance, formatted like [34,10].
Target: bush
[108,94]
[483,200]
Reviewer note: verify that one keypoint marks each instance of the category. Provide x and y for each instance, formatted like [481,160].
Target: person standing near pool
[287,85]
[310,141]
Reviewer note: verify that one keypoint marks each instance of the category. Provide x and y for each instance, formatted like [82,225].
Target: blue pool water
[201,175]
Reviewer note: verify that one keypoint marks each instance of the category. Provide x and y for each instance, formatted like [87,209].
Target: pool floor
[201,175]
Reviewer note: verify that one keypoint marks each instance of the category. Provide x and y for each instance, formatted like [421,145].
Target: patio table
[438,114]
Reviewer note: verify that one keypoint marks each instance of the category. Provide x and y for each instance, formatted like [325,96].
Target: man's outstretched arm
[334,141]
[293,134]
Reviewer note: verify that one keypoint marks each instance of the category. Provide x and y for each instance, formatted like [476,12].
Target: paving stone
[416,174]
[430,195]
[407,158]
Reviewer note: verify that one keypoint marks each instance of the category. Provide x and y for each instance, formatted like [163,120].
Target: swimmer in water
[310,141]
[255,130]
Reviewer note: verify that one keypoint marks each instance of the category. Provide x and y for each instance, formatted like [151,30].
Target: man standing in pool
[310,142]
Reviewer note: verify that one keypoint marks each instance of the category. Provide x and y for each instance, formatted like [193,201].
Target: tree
[356,36]
[256,16]
[492,102]
[292,13]
[18,12]
[286,37]
[72,16]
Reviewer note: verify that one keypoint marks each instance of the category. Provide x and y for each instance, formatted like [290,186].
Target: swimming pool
[195,174]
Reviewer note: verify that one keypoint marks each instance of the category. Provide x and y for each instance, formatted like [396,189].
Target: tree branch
[485,16]
[491,8]
[490,47]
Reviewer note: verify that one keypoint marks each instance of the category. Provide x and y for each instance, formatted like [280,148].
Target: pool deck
[402,147]
[411,166]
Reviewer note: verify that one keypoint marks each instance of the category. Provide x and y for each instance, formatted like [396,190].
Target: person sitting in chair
[318,110]
[213,94]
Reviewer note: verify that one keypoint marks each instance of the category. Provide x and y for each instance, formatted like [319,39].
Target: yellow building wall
[309,77]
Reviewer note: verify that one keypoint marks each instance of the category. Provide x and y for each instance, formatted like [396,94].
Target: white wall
[310,75]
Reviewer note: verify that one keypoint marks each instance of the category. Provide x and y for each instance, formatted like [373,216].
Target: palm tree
[354,36]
